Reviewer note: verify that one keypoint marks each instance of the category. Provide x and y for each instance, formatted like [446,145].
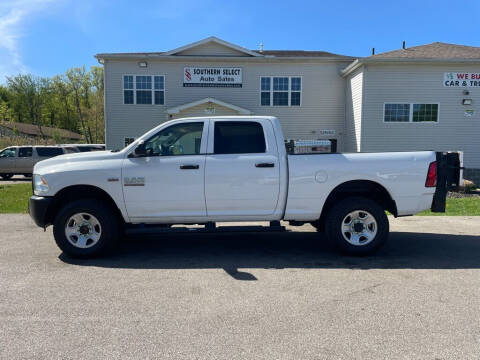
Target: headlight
[40,185]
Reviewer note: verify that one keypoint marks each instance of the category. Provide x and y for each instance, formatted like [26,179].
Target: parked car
[207,170]
[71,148]
[19,160]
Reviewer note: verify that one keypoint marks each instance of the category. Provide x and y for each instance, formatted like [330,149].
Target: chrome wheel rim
[83,230]
[359,228]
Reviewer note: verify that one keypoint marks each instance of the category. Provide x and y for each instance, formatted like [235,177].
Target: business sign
[455,79]
[212,77]
[326,132]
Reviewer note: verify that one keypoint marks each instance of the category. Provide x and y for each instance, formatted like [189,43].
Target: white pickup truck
[228,169]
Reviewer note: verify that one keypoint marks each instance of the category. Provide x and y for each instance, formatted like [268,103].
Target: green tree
[57,137]
[5,115]
[28,99]
[63,93]
[78,81]
[72,101]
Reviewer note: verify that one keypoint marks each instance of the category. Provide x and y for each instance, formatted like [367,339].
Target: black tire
[340,211]
[6,176]
[107,218]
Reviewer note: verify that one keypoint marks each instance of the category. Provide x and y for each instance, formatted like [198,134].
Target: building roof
[239,49]
[300,53]
[436,50]
[177,109]
[33,130]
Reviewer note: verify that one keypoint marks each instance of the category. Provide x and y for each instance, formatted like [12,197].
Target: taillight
[431,175]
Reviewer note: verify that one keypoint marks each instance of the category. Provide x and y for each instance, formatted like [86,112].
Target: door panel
[24,162]
[245,183]
[158,187]
[7,161]
[169,181]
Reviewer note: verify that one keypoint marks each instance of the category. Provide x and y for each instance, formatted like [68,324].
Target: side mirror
[140,150]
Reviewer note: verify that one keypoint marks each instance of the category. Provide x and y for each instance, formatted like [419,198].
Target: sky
[46,37]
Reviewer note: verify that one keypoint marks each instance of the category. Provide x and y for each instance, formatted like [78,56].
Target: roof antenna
[373,51]
[403,45]
[260,47]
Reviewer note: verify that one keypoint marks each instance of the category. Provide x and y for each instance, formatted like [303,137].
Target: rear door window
[25,152]
[238,137]
[49,151]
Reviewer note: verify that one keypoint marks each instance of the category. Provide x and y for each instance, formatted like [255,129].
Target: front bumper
[38,207]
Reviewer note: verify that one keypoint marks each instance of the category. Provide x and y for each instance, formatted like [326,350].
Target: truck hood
[88,160]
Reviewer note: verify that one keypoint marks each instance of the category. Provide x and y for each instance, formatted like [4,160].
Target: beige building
[423,97]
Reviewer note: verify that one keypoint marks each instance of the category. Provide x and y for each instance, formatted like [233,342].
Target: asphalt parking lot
[17,179]
[244,296]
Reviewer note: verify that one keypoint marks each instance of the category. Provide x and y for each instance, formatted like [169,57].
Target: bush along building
[419,98]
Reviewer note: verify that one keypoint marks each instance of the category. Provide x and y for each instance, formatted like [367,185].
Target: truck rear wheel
[85,228]
[357,226]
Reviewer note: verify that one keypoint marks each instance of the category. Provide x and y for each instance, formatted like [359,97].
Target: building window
[397,113]
[143,89]
[265,91]
[296,90]
[280,91]
[425,112]
[128,141]
[128,89]
[159,88]
[410,112]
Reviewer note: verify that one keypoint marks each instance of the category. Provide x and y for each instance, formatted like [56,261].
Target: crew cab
[229,169]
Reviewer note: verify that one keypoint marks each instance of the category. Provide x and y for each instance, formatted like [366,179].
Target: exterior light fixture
[467,102]
[143,64]
[466,92]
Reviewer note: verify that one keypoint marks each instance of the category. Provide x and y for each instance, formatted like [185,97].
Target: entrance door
[242,174]
[168,183]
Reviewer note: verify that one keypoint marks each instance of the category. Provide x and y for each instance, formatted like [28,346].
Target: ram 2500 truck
[228,169]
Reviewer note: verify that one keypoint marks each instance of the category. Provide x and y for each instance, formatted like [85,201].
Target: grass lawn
[14,199]
[467,206]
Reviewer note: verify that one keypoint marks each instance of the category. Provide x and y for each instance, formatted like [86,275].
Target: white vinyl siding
[354,109]
[420,84]
[322,107]
[143,89]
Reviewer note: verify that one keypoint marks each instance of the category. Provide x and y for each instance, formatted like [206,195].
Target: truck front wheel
[357,226]
[85,228]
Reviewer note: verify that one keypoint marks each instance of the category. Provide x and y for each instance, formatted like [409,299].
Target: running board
[152,229]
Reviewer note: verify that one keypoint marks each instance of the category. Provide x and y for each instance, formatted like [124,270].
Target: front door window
[180,139]
[10,152]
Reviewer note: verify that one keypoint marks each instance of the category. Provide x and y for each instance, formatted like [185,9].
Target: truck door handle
[264,165]
[189,167]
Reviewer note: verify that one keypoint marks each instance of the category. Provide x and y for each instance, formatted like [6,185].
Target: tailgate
[449,176]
